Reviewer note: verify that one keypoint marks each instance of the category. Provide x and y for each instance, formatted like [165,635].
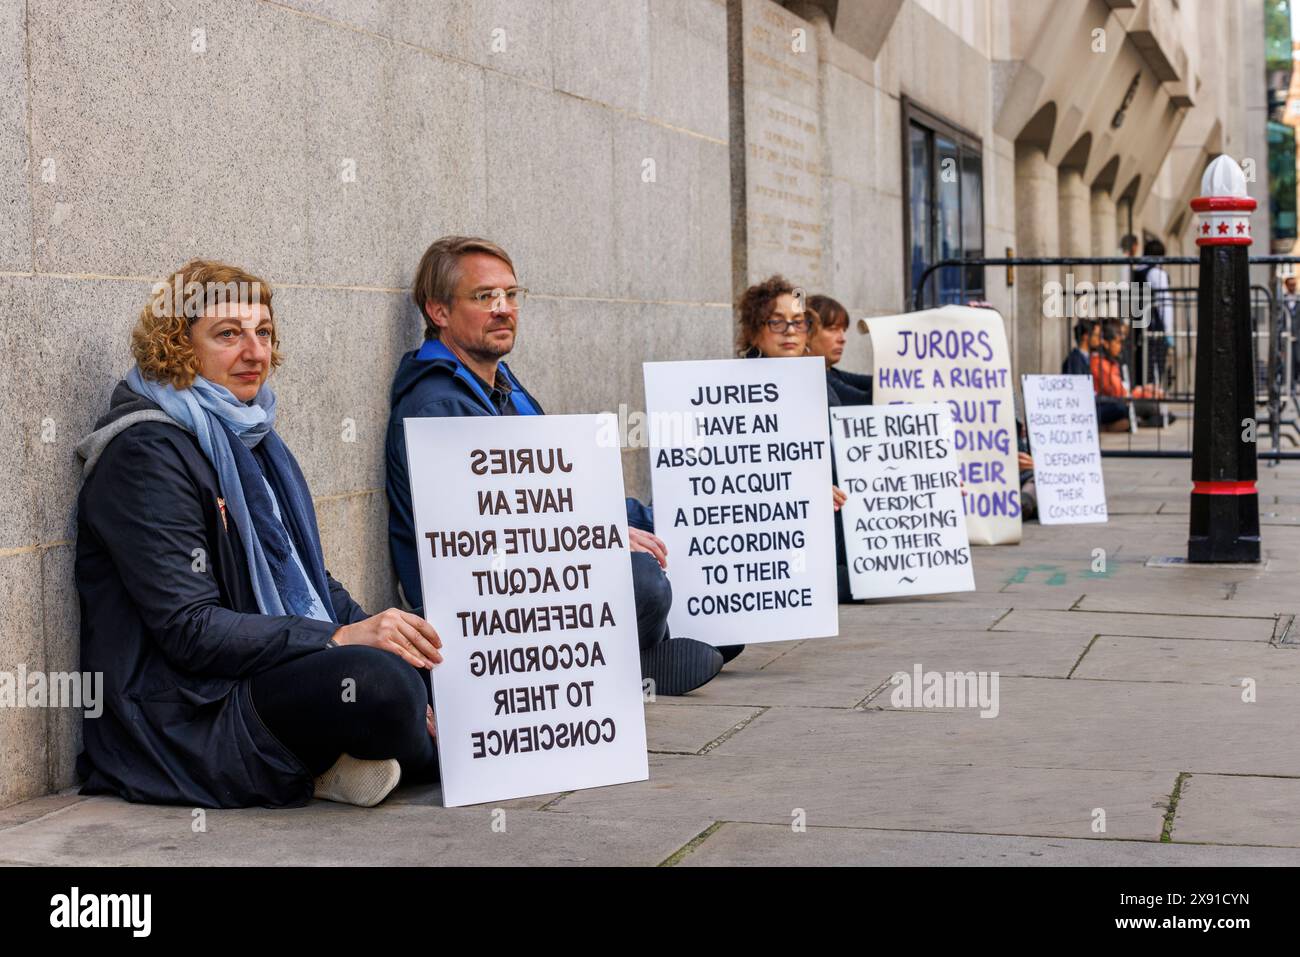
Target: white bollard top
[1223,208]
[1223,177]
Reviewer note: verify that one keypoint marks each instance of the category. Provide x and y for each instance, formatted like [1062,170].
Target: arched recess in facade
[1074,219]
[1105,224]
[1036,340]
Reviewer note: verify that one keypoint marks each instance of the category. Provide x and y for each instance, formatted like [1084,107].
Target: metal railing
[1162,362]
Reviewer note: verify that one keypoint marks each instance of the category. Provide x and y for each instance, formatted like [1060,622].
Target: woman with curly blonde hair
[237,670]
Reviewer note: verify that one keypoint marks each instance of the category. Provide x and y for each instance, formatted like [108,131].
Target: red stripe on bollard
[1223,488]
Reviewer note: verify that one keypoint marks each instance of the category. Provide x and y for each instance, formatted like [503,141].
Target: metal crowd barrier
[1168,358]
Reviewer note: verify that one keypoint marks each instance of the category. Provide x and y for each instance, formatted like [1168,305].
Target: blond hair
[438,274]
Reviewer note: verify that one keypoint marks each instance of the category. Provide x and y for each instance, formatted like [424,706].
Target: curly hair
[160,341]
[755,308]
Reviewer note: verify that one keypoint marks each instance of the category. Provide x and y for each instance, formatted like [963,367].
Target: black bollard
[1224,524]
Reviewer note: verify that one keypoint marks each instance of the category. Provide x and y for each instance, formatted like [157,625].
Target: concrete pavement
[1123,705]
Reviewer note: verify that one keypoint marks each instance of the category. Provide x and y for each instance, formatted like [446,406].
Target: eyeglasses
[781,326]
[514,297]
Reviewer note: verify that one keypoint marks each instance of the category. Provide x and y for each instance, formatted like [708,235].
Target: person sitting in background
[467,293]
[1108,381]
[1104,364]
[774,325]
[832,324]
[1079,361]
[1087,337]
[204,595]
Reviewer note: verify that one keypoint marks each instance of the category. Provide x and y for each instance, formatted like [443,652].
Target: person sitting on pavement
[1079,361]
[205,599]
[1087,337]
[470,299]
[774,325]
[832,324]
[1109,382]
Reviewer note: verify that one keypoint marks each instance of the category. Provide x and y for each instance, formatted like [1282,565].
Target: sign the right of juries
[1061,419]
[904,528]
[958,355]
[740,460]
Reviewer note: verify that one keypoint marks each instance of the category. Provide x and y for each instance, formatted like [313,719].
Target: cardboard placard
[958,355]
[904,528]
[742,497]
[521,529]
[1061,419]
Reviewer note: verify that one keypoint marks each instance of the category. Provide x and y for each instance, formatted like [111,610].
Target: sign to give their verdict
[521,529]
[958,355]
[1061,418]
[903,524]
[742,497]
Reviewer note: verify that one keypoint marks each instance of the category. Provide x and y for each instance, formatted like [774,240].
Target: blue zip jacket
[425,387]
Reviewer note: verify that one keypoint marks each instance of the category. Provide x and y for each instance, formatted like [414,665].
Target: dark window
[945,220]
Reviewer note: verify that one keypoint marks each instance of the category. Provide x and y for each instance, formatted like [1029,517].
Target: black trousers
[351,700]
[371,704]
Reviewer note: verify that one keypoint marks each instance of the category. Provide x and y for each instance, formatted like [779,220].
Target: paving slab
[1030,596]
[1222,809]
[430,795]
[1123,658]
[688,730]
[1049,723]
[1269,590]
[108,831]
[872,661]
[1153,656]
[1049,802]
[777,845]
[1148,625]
[774,685]
[936,611]
[755,656]
[1225,605]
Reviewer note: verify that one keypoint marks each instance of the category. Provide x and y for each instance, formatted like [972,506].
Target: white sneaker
[354,781]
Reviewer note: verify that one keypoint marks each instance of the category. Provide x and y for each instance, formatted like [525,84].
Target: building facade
[642,160]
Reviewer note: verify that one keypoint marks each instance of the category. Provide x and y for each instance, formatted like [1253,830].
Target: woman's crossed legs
[353,700]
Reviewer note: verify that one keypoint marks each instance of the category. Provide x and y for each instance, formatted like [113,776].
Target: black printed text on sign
[522,534]
[1061,419]
[958,355]
[741,465]
[904,529]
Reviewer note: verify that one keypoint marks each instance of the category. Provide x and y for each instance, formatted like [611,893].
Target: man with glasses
[468,294]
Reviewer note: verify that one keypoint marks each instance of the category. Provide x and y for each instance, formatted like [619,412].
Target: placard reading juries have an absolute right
[742,497]
[903,523]
[1061,418]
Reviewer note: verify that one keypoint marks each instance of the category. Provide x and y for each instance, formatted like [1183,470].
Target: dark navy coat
[430,388]
[852,388]
[168,615]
